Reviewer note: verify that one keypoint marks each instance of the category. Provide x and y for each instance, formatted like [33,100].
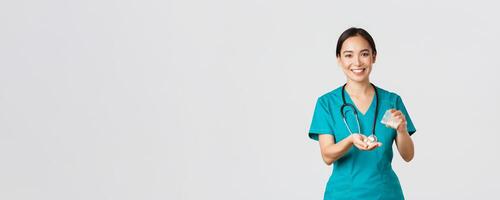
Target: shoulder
[331,99]
[332,95]
[387,95]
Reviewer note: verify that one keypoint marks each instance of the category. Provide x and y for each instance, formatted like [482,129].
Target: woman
[362,163]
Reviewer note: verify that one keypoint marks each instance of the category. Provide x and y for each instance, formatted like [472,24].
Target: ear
[374,58]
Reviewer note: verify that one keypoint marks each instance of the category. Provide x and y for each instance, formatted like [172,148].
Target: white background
[213,99]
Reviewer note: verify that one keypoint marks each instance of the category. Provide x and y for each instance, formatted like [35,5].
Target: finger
[400,118]
[371,146]
[400,114]
[364,145]
[397,113]
[361,148]
[402,124]
[374,145]
[399,122]
[361,145]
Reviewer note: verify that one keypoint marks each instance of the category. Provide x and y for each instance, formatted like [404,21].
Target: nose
[356,61]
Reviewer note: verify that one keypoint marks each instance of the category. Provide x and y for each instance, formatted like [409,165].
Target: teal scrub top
[360,174]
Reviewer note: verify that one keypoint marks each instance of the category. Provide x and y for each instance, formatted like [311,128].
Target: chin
[359,79]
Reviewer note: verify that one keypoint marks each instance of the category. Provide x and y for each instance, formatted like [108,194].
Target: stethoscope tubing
[344,105]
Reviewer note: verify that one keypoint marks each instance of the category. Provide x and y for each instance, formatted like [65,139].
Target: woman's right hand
[358,141]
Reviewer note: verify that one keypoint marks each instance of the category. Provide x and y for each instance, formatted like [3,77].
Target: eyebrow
[348,51]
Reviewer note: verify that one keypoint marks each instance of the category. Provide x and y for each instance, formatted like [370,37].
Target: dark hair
[351,32]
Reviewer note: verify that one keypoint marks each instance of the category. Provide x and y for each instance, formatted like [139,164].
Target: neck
[359,88]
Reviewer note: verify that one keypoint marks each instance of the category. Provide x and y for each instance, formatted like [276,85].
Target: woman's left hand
[399,116]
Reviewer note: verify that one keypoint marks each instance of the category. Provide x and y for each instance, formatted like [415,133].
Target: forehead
[355,43]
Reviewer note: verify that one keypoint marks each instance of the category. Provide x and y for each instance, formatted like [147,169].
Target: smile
[358,71]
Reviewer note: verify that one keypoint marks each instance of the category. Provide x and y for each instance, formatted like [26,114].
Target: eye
[347,55]
[365,54]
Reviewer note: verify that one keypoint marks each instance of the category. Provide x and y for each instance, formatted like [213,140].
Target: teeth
[357,70]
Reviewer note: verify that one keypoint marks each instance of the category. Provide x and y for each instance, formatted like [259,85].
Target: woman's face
[356,59]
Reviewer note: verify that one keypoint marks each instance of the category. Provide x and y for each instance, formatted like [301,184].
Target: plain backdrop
[192,99]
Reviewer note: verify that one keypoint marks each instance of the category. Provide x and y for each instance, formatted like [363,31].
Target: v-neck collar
[372,103]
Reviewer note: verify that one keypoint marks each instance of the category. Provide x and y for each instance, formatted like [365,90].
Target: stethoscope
[372,137]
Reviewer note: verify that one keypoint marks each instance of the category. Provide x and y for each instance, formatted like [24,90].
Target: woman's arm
[331,151]
[405,145]
[403,139]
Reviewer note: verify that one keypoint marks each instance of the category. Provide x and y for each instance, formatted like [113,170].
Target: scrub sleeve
[322,122]
[401,106]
